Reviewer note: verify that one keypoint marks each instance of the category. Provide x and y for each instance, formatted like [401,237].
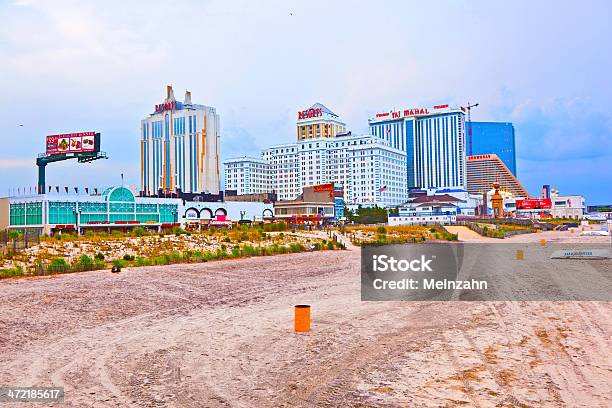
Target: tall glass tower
[495,138]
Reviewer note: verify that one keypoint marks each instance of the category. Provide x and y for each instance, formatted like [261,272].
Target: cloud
[238,142]
[561,130]
[16,163]
[75,65]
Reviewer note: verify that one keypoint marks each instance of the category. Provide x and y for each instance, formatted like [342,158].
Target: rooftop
[433,199]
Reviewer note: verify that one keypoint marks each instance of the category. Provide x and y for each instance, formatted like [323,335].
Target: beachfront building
[318,122]
[427,209]
[115,208]
[179,147]
[433,140]
[367,169]
[485,169]
[567,206]
[315,206]
[284,162]
[248,175]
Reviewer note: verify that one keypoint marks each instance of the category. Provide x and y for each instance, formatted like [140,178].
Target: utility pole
[469,109]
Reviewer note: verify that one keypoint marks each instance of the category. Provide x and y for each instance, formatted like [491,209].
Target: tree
[367,215]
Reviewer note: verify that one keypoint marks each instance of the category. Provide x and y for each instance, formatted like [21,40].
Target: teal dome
[118,194]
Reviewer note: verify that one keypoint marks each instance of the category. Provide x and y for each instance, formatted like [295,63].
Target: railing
[14,240]
[508,221]
[492,232]
[422,214]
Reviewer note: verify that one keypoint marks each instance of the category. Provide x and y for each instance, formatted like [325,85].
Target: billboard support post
[41,176]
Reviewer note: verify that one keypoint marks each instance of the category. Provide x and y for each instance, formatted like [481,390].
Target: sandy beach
[219,334]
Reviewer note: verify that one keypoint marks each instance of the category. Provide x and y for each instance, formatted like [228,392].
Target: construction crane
[469,108]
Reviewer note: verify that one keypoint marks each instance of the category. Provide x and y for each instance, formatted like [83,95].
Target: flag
[383,188]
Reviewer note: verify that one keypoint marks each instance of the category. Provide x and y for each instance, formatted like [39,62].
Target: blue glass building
[497,138]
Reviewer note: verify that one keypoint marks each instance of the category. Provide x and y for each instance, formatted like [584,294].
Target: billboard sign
[534,204]
[82,142]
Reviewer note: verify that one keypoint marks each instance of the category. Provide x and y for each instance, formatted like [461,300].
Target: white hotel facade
[248,175]
[414,148]
[180,147]
[434,141]
[368,169]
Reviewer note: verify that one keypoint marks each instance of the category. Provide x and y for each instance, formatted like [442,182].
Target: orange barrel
[301,321]
[543,242]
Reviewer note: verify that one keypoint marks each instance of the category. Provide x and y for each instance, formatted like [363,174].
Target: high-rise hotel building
[369,171]
[317,122]
[485,169]
[367,168]
[248,175]
[180,147]
[433,140]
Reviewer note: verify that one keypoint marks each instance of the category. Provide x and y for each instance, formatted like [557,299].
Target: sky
[69,66]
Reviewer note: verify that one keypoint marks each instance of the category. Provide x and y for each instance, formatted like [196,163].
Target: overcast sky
[102,65]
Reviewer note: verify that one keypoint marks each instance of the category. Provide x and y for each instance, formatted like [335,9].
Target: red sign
[417,111]
[479,157]
[72,143]
[165,106]
[534,204]
[408,112]
[310,113]
[324,187]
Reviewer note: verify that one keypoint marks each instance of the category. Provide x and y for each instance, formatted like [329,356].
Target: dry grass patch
[471,374]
